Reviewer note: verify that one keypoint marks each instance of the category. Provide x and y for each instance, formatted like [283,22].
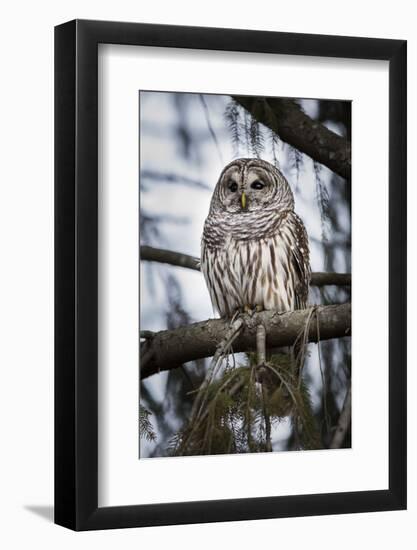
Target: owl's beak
[243,199]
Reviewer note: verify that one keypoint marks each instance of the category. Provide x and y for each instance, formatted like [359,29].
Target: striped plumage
[254,250]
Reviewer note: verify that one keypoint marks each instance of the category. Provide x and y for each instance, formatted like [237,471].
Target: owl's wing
[300,261]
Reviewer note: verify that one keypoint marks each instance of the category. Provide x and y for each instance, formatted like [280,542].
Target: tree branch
[169,257]
[292,125]
[184,260]
[320,278]
[168,349]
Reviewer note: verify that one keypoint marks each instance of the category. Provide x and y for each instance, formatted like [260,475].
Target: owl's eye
[232,186]
[257,184]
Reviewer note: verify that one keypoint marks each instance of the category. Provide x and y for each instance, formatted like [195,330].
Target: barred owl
[254,249]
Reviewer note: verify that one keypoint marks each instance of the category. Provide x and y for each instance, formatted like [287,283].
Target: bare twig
[169,257]
[261,344]
[261,360]
[323,378]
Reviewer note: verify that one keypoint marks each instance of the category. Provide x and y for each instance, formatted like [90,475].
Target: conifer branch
[292,125]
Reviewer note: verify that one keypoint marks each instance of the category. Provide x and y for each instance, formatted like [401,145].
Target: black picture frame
[76,271]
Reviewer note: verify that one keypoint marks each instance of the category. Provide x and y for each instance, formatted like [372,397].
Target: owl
[254,248]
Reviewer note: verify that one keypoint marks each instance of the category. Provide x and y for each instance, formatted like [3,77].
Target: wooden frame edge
[76,422]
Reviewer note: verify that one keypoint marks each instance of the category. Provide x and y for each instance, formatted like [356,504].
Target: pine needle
[146,429]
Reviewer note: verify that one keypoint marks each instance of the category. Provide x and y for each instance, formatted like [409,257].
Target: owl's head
[251,185]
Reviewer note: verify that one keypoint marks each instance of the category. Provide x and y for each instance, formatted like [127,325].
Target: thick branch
[169,349]
[285,118]
[184,260]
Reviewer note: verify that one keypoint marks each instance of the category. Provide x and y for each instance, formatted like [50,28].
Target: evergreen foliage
[242,404]
[146,430]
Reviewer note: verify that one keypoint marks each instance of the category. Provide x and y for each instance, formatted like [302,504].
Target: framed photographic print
[230,275]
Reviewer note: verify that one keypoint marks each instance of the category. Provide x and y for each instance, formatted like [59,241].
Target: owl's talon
[250,310]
